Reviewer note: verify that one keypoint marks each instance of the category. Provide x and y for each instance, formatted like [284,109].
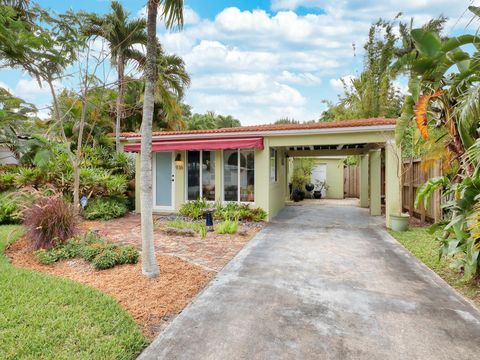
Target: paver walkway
[323,282]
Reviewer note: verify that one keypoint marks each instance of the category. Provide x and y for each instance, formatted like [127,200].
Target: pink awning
[201,144]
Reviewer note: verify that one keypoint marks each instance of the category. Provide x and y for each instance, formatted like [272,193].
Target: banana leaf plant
[441,78]
[460,235]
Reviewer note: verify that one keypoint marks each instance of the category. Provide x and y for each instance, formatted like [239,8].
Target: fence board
[415,173]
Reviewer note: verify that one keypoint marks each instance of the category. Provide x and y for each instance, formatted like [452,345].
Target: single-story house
[250,164]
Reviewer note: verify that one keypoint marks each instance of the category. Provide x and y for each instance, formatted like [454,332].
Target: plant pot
[317,194]
[399,222]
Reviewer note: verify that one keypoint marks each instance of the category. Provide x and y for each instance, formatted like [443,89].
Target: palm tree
[122,35]
[172,80]
[172,13]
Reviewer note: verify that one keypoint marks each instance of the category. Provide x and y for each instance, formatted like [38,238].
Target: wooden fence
[415,173]
[351,181]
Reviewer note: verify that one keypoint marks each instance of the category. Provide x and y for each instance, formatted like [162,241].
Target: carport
[372,140]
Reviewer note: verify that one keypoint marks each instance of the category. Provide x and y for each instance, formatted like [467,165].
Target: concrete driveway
[323,282]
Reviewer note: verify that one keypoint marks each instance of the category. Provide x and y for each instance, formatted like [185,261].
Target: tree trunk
[119,104]
[149,262]
[78,155]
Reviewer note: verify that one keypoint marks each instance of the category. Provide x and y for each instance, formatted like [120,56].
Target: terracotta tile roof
[276,127]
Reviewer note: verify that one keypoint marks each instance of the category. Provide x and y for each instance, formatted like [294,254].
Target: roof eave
[288,132]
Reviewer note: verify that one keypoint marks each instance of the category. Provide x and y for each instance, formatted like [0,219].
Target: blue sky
[262,60]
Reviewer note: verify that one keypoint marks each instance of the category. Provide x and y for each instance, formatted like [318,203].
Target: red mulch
[151,302]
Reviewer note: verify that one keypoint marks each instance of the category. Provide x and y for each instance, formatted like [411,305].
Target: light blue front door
[163,180]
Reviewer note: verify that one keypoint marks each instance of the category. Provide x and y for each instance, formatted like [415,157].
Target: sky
[264,60]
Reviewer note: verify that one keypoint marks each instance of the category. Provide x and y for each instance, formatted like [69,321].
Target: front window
[239,175]
[201,175]
[273,165]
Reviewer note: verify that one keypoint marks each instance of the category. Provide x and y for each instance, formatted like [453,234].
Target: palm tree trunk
[119,104]
[149,262]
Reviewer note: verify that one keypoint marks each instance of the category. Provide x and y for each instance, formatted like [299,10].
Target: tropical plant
[441,94]
[122,36]
[460,235]
[105,208]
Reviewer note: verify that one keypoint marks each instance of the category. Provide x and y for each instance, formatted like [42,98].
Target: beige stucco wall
[269,195]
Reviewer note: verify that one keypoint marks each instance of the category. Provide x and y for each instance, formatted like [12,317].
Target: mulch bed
[151,302]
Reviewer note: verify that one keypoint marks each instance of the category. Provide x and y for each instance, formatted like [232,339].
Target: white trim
[294,132]
[154,174]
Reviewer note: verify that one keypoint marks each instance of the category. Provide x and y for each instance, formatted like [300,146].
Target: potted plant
[320,186]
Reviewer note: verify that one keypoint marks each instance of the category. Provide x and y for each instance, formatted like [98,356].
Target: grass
[227,227]
[46,317]
[196,226]
[424,246]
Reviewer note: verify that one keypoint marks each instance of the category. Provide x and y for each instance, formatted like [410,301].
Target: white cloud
[29,88]
[338,85]
[6,87]
[306,79]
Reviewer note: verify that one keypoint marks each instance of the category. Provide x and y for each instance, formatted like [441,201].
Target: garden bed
[187,264]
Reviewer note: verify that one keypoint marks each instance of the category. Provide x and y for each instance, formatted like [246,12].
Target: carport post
[375,179]
[393,179]
[364,202]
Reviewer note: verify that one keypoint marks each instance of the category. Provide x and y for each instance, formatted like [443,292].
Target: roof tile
[276,127]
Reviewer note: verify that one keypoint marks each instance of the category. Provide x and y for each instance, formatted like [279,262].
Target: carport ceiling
[327,147]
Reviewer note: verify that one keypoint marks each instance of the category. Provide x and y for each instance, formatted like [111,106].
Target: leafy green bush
[47,257]
[193,209]
[92,248]
[227,227]
[238,211]
[7,180]
[106,259]
[229,211]
[198,227]
[128,255]
[27,176]
[105,208]
[50,221]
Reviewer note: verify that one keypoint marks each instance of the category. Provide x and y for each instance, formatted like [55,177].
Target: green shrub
[47,257]
[196,226]
[227,227]
[106,259]
[50,221]
[92,248]
[238,211]
[27,176]
[7,180]
[9,213]
[193,209]
[127,254]
[105,208]
[89,252]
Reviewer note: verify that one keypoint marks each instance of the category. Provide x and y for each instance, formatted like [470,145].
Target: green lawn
[424,246]
[45,317]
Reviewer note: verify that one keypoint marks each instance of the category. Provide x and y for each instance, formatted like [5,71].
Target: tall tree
[122,36]
[372,94]
[172,13]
